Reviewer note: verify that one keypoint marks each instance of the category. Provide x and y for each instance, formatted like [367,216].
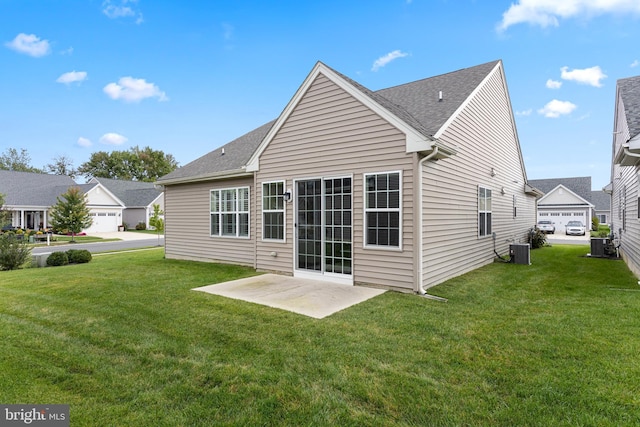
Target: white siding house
[565,199]
[625,171]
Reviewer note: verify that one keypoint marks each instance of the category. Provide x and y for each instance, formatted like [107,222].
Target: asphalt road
[103,246]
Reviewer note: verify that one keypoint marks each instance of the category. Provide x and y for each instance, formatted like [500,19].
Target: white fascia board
[634,144]
[25,208]
[238,173]
[109,193]
[415,141]
[560,186]
[466,102]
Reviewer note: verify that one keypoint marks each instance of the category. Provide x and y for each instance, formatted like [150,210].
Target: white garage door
[103,222]
[561,218]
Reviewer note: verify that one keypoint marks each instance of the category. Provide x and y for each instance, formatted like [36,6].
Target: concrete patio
[313,298]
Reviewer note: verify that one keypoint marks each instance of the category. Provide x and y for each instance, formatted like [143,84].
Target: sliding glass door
[324,216]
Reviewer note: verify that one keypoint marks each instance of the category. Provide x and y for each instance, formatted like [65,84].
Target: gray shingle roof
[629,90]
[601,200]
[33,189]
[236,155]
[416,103]
[131,193]
[579,185]
[421,98]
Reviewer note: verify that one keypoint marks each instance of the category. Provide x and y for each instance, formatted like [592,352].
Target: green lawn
[125,342]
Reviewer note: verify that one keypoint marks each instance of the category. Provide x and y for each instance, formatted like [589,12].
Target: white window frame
[485,209]
[283,210]
[236,210]
[366,210]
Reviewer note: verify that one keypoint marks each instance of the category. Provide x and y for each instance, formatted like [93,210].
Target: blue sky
[186,77]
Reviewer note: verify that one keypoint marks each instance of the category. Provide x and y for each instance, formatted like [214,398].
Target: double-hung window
[273,210]
[484,211]
[383,200]
[230,212]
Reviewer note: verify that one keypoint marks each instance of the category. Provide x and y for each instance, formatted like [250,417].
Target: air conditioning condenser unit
[519,253]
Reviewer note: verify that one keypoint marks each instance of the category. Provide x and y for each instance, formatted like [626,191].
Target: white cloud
[122,9]
[113,139]
[29,44]
[68,51]
[545,13]
[634,64]
[588,76]
[524,113]
[555,108]
[84,142]
[553,84]
[72,76]
[227,31]
[129,89]
[384,60]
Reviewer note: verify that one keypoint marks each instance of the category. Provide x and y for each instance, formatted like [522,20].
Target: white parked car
[575,228]
[546,227]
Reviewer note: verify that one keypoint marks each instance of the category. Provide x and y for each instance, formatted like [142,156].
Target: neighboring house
[625,170]
[401,188]
[30,196]
[565,199]
[602,206]
[138,198]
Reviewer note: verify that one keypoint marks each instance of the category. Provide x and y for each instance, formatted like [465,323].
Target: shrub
[14,252]
[595,223]
[57,258]
[78,256]
[537,238]
[141,226]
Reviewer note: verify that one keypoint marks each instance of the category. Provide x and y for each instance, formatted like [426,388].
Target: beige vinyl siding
[187,228]
[484,135]
[331,134]
[624,210]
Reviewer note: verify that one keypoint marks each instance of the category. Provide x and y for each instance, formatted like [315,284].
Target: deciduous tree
[62,165]
[136,164]
[156,220]
[19,161]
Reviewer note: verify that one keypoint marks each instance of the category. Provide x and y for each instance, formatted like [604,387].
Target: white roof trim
[415,141]
[541,201]
[205,177]
[106,190]
[466,102]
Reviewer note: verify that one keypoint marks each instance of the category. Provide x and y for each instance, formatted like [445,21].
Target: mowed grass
[126,342]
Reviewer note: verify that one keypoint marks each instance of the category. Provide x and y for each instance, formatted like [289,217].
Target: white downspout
[433,153]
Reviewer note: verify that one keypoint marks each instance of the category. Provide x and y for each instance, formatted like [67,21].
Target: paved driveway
[563,239]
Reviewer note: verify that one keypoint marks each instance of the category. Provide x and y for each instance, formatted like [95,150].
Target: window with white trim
[382,214]
[230,212]
[484,211]
[273,210]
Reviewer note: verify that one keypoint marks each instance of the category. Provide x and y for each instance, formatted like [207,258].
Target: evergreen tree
[71,212]
[5,215]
